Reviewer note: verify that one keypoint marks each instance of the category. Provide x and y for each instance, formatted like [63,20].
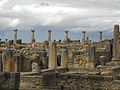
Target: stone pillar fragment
[16,65]
[17,62]
[66,35]
[8,61]
[64,58]
[84,36]
[102,60]
[0,42]
[49,35]
[92,53]
[87,40]
[33,36]
[15,36]
[36,67]
[91,62]
[52,63]
[116,43]
[1,66]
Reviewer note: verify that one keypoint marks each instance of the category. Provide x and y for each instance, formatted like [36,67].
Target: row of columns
[87,38]
[33,35]
[49,36]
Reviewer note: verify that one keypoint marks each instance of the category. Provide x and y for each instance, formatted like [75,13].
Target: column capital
[83,31]
[49,31]
[15,30]
[32,30]
[6,39]
[116,26]
[100,31]
[66,31]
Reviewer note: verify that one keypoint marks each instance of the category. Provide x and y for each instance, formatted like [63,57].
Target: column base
[115,59]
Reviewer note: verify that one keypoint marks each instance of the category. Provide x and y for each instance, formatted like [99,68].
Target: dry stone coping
[28,73]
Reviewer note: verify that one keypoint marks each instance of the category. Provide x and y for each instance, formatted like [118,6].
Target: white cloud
[14,23]
[76,15]
[3,2]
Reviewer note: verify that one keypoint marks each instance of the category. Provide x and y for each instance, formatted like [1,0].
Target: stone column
[0,42]
[16,65]
[15,36]
[3,61]
[7,60]
[84,36]
[17,62]
[52,63]
[116,43]
[64,58]
[33,36]
[66,35]
[1,66]
[35,67]
[49,35]
[91,52]
[100,32]
[87,40]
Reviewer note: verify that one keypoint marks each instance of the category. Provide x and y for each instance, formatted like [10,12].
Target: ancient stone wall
[11,82]
[87,82]
[29,82]
[70,81]
[98,54]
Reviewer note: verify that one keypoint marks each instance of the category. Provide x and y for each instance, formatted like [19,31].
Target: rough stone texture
[15,36]
[64,58]
[8,61]
[70,81]
[116,43]
[35,67]
[52,56]
[87,82]
[11,82]
[87,69]
[30,82]
[102,60]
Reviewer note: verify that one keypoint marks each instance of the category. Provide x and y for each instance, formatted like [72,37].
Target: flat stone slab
[29,73]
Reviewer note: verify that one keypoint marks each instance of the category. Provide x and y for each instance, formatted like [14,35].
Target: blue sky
[58,15]
[42,35]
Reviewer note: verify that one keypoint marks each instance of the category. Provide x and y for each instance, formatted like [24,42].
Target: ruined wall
[29,82]
[88,82]
[11,82]
[70,81]
[98,54]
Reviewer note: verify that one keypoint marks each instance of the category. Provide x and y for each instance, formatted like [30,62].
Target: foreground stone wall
[69,81]
[29,82]
[88,82]
[11,82]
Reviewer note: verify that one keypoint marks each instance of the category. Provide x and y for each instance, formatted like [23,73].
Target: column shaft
[33,36]
[64,58]
[84,36]
[52,55]
[66,35]
[15,36]
[49,35]
[116,42]
[101,45]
